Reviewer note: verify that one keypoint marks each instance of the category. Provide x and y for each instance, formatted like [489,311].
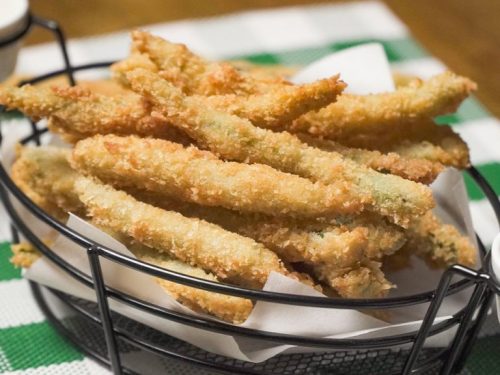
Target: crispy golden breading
[265,71]
[235,138]
[443,243]
[367,281]
[227,255]
[23,182]
[104,86]
[413,100]
[222,87]
[77,113]
[419,170]
[423,140]
[270,108]
[439,144]
[334,248]
[107,87]
[294,241]
[198,176]
[277,106]
[379,113]
[405,80]
[44,174]
[191,73]
[273,71]
[228,308]
[297,179]
[25,254]
[383,238]
[341,244]
[439,245]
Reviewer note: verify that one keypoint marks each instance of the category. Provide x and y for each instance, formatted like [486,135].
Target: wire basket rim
[391,302]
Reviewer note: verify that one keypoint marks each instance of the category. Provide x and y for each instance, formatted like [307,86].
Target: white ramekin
[13,18]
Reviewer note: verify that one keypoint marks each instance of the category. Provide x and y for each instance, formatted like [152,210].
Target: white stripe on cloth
[18,306]
[291,29]
[368,19]
[83,367]
[240,33]
[4,362]
[483,138]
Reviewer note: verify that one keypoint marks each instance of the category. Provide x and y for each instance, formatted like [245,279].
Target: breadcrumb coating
[443,243]
[364,282]
[379,113]
[228,308]
[45,176]
[416,169]
[191,73]
[229,256]
[76,113]
[235,138]
[277,106]
[198,176]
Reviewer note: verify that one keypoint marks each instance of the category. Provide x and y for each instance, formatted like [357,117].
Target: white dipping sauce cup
[13,18]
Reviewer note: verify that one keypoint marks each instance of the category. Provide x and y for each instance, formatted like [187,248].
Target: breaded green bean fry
[379,113]
[227,255]
[415,169]
[198,176]
[76,113]
[235,138]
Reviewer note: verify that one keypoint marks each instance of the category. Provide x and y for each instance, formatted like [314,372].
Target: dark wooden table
[465,34]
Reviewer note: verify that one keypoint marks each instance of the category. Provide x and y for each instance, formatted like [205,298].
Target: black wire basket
[109,337]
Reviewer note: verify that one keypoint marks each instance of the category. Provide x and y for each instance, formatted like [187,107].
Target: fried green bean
[237,139]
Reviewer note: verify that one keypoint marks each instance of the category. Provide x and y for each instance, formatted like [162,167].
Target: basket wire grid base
[118,342]
[83,327]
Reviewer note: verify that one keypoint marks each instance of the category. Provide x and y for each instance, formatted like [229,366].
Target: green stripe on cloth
[470,110]
[7,270]
[34,345]
[396,49]
[489,171]
[484,356]
[10,115]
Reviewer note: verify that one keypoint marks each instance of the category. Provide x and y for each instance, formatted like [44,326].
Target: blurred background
[464,34]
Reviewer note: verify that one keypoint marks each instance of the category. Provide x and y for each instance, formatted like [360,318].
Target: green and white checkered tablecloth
[297,35]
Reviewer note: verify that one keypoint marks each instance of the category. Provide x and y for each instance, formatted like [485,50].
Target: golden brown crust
[379,113]
[367,281]
[76,113]
[198,176]
[45,176]
[277,106]
[227,255]
[225,307]
[193,74]
[24,254]
[415,169]
[443,243]
[234,138]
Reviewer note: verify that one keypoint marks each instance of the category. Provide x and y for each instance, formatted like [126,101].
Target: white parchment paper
[449,191]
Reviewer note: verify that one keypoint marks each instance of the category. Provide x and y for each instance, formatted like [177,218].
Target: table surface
[464,34]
